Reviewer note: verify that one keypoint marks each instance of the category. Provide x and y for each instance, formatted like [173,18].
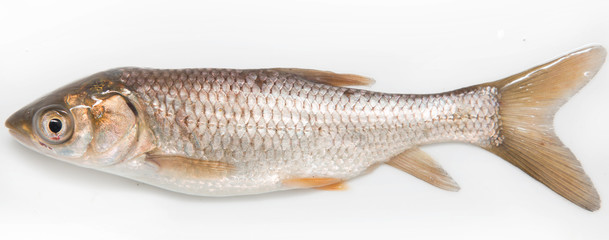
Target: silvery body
[273,126]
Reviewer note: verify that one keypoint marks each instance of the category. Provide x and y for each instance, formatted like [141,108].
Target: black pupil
[55,125]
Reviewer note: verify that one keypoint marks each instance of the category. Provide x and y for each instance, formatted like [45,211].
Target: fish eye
[54,124]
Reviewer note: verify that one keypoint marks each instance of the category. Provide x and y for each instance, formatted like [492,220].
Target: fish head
[90,123]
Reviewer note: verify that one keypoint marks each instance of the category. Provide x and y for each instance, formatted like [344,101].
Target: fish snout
[20,127]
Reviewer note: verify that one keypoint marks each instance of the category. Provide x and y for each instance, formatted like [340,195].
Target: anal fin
[417,163]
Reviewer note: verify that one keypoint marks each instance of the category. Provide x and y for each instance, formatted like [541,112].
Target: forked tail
[528,103]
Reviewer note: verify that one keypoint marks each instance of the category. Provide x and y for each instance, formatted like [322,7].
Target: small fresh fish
[221,132]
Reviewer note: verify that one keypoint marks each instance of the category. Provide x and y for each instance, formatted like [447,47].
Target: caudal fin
[528,103]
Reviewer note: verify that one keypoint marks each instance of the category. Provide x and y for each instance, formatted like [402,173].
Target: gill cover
[114,124]
[112,121]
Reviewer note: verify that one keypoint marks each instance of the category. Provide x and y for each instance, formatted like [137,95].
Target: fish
[226,132]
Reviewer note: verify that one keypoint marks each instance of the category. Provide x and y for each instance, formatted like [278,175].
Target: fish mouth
[19,129]
[21,138]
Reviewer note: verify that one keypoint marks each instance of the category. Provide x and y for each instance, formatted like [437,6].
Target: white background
[408,47]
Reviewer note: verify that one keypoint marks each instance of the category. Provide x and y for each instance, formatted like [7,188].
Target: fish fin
[327,77]
[527,105]
[189,167]
[339,186]
[417,163]
[314,182]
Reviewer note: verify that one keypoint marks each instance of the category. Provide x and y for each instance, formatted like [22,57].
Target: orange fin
[189,167]
[318,183]
[330,78]
[528,103]
[417,163]
[339,186]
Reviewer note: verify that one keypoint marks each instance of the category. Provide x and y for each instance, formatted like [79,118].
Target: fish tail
[527,105]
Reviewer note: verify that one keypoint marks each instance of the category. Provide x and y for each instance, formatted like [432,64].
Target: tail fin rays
[528,103]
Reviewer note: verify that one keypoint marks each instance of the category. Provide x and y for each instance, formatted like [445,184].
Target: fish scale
[272,125]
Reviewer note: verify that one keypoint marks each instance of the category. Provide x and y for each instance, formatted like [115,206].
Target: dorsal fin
[417,163]
[327,77]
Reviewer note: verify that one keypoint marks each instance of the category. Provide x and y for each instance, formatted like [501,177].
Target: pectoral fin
[178,166]
[330,78]
[419,164]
